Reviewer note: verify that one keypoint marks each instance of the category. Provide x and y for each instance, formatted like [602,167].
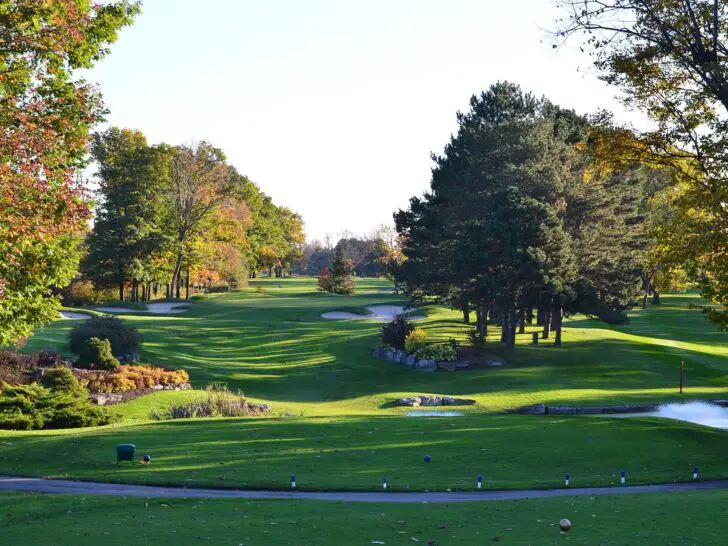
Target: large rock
[388,354]
[561,410]
[447,366]
[400,355]
[450,401]
[589,411]
[536,409]
[377,352]
[426,365]
[412,402]
[431,400]
[410,361]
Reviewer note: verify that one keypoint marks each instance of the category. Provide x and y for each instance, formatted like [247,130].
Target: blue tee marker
[427,458]
[293,481]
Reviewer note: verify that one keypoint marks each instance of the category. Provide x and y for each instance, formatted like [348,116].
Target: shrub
[123,337]
[326,280]
[82,292]
[15,368]
[27,407]
[128,378]
[220,402]
[415,340]
[61,379]
[443,352]
[395,332]
[218,288]
[96,354]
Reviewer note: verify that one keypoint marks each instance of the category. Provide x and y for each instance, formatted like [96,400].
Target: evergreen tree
[342,271]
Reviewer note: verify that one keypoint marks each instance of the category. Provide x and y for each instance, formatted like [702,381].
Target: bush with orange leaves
[128,378]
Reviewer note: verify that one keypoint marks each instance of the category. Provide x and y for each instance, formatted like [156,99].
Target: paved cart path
[37,485]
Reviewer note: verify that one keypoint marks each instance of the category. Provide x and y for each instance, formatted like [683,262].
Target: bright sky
[333,106]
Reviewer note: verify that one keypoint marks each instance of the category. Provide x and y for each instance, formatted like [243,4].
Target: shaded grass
[355,453]
[276,347]
[686,518]
[342,432]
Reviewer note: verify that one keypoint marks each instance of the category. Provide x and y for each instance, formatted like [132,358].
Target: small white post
[695,473]
[623,477]
[293,481]
[568,479]
[384,483]
[480,482]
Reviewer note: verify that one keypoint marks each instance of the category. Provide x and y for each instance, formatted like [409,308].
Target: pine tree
[342,270]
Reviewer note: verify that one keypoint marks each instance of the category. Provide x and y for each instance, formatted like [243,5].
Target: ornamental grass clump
[415,340]
[220,402]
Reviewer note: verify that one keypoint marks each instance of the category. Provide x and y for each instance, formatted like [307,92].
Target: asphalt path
[38,485]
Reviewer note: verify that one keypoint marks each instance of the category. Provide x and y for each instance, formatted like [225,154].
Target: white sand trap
[157,308]
[72,315]
[166,308]
[381,313]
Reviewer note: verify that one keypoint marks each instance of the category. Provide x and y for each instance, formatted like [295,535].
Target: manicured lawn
[272,343]
[334,423]
[664,519]
[355,453]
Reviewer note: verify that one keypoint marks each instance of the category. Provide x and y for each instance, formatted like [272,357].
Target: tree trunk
[121,291]
[466,310]
[505,336]
[546,320]
[187,285]
[522,321]
[655,297]
[559,313]
[539,316]
[512,328]
[168,291]
[529,316]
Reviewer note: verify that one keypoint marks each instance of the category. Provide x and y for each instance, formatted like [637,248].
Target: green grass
[665,519]
[355,453]
[275,346]
[335,424]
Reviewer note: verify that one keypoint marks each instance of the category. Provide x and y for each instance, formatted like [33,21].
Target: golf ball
[565,524]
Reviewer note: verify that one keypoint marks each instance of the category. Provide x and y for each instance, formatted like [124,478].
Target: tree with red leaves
[45,117]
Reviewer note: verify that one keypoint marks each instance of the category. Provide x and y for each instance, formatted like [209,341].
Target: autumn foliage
[46,116]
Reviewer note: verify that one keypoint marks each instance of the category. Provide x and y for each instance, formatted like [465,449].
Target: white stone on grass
[156,308]
[71,315]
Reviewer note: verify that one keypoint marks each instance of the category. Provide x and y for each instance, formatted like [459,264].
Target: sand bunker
[157,308]
[381,313]
[72,315]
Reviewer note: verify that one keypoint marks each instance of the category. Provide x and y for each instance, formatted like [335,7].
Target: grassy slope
[355,453]
[341,431]
[274,346]
[697,518]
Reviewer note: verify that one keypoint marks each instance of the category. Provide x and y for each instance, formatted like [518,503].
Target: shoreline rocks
[427,400]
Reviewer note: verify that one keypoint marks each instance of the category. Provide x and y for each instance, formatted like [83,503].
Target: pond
[701,413]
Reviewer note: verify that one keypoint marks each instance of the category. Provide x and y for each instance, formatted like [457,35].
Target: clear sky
[333,106]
